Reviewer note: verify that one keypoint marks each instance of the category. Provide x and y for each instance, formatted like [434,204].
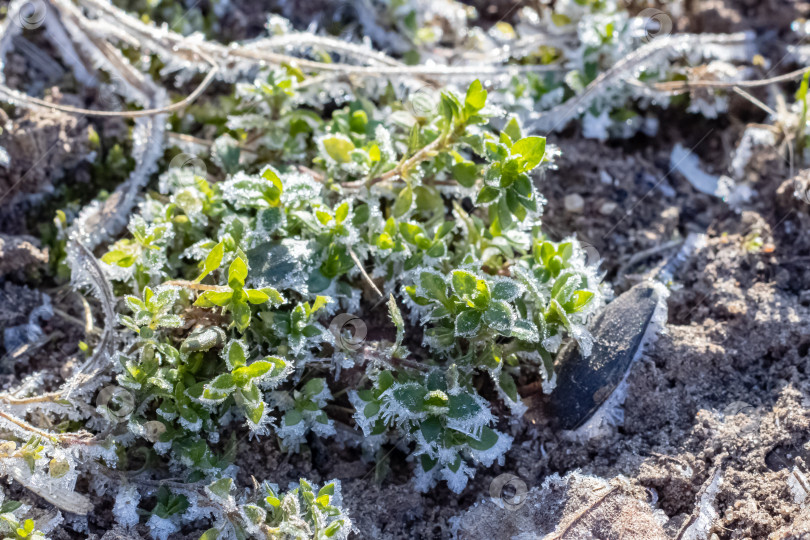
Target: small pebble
[574,204]
[607,208]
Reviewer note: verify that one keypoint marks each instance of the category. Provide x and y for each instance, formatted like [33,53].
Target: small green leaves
[476,97]
[531,151]
[203,339]
[169,504]
[499,317]
[257,192]
[487,195]
[506,290]
[403,202]
[221,488]
[212,261]
[236,298]
[211,534]
[466,173]
[464,283]
[436,208]
[468,323]
[237,273]
[338,148]
[462,406]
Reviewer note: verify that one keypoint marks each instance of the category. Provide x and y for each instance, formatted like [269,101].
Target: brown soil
[724,388]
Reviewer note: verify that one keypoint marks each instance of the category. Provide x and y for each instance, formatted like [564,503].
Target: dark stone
[583,384]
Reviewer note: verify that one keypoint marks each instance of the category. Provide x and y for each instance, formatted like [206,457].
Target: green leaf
[482,296]
[427,462]
[222,383]
[476,96]
[434,285]
[531,150]
[396,318]
[403,202]
[258,369]
[525,331]
[342,212]
[213,298]
[410,396]
[464,283]
[237,273]
[361,215]
[499,316]
[431,428]
[466,173]
[512,129]
[523,186]
[582,298]
[333,528]
[374,153]
[468,322]
[255,412]
[559,19]
[237,354]
[371,409]
[313,387]
[271,175]
[203,339]
[565,285]
[507,384]
[9,506]
[463,406]
[328,489]
[292,417]
[256,296]
[506,290]
[338,148]
[212,261]
[436,398]
[222,487]
[241,315]
[210,534]
[488,439]
[385,380]
[323,217]
[487,194]
[273,295]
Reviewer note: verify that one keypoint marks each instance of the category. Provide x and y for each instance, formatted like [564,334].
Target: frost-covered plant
[233,285]
[13,527]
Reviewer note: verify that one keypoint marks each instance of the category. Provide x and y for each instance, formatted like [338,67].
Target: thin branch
[14,95]
[363,272]
[196,286]
[402,168]
[685,86]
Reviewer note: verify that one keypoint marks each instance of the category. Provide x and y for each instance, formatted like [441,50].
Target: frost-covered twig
[676,87]
[627,69]
[14,96]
